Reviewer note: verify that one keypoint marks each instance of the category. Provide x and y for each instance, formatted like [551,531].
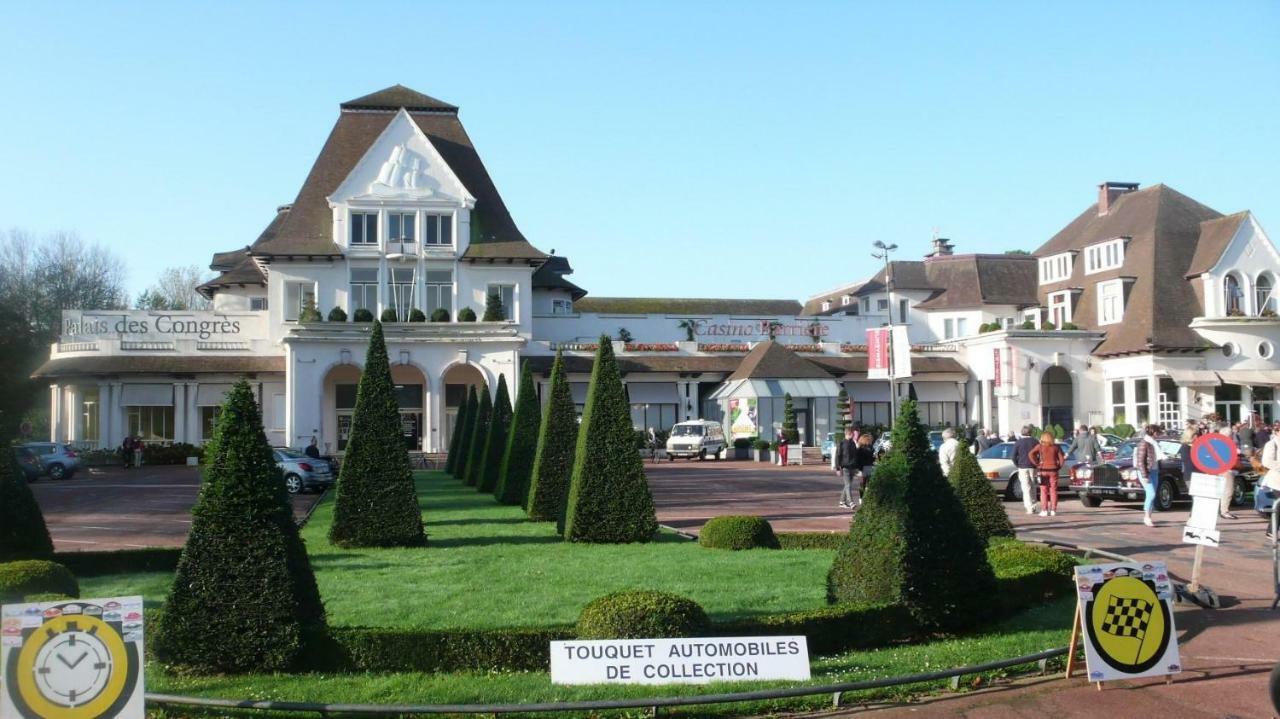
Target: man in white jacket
[947,451]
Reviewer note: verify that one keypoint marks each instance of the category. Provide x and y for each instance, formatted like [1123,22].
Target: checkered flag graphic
[1127,617]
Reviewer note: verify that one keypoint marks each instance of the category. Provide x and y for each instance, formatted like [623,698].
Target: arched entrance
[411,398]
[457,381]
[1056,399]
[339,402]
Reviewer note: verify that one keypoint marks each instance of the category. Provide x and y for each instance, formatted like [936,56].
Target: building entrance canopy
[762,388]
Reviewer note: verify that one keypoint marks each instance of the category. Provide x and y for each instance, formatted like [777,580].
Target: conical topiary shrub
[790,429]
[843,418]
[475,454]
[455,439]
[609,499]
[522,444]
[376,503]
[244,598]
[495,440]
[553,460]
[911,542]
[981,503]
[466,429]
[493,309]
[23,534]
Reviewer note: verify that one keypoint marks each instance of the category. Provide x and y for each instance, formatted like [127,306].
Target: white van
[696,438]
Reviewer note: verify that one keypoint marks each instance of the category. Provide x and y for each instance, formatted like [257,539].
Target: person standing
[126,451]
[984,440]
[947,450]
[1026,468]
[1229,477]
[782,448]
[1244,436]
[137,452]
[1085,446]
[1270,481]
[1261,437]
[847,466]
[1146,459]
[1185,441]
[1048,460]
[865,460]
[313,449]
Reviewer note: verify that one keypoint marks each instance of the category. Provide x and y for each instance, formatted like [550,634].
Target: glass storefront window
[208,420]
[152,424]
[661,417]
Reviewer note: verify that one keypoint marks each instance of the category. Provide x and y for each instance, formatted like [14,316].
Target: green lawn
[1032,631]
[486,566]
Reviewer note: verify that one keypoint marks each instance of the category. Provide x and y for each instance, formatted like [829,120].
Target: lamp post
[883,254]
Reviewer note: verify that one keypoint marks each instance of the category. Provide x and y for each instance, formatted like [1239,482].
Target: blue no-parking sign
[1213,453]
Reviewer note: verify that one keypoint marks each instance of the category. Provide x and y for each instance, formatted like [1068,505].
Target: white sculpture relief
[404,173]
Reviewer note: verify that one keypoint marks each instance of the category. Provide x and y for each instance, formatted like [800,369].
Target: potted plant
[760,450]
[362,315]
[742,447]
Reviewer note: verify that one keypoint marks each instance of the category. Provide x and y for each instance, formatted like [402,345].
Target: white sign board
[1196,535]
[1207,485]
[74,657]
[679,661]
[1126,618]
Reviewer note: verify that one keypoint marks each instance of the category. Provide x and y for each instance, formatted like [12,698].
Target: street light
[883,254]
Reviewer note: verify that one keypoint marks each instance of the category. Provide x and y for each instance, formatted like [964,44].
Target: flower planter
[741,452]
[760,455]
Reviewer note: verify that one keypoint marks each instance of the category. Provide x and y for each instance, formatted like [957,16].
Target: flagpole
[883,254]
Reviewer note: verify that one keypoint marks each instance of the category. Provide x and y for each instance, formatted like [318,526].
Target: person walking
[1244,436]
[947,450]
[1026,467]
[137,452]
[1048,459]
[782,448]
[1146,459]
[1270,481]
[865,460]
[1229,488]
[1085,446]
[847,466]
[1185,441]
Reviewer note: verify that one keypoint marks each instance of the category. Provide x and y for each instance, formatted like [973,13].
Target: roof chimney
[1109,191]
[941,246]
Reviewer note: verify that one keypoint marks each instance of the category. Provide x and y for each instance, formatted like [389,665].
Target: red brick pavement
[1227,653]
[113,508]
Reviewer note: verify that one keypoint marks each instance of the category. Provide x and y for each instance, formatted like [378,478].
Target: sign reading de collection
[679,661]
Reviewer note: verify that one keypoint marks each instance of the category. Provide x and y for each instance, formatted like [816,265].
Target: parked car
[60,460]
[997,464]
[699,438]
[302,473]
[829,446]
[1116,479]
[29,462]
[1110,445]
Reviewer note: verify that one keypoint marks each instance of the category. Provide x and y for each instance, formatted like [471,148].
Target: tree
[376,503]
[175,289]
[843,418]
[984,508]
[911,544]
[1016,252]
[22,355]
[495,440]
[609,498]
[789,428]
[475,453]
[244,598]
[23,534]
[522,444]
[466,431]
[553,460]
[493,309]
[456,438]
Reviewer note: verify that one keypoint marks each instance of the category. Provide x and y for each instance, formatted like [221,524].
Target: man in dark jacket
[847,466]
[1026,468]
[1084,446]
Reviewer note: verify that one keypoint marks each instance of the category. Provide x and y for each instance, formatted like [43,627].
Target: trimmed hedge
[479,435]
[738,532]
[156,454]
[376,502]
[23,534]
[984,507]
[609,497]
[911,542]
[337,314]
[121,561]
[811,540]
[388,315]
[466,429]
[553,460]
[1028,574]
[522,444]
[495,440]
[429,650]
[417,315]
[244,597]
[466,314]
[440,314]
[362,315]
[456,438]
[641,614]
[27,577]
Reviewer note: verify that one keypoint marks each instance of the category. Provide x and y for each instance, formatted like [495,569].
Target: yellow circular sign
[1128,624]
[73,666]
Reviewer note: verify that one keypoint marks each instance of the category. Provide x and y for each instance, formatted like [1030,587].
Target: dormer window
[1059,308]
[826,305]
[1104,256]
[439,230]
[844,301]
[402,227]
[1055,268]
[364,228]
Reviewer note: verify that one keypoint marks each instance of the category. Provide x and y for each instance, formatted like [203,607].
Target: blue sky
[668,148]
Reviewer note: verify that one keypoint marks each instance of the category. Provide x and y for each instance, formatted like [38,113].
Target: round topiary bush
[416,315]
[738,532]
[466,314]
[35,576]
[362,315]
[641,614]
[337,314]
[440,314]
[389,315]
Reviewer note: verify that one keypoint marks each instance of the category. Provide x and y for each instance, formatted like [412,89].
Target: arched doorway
[411,397]
[340,386]
[1056,399]
[457,381]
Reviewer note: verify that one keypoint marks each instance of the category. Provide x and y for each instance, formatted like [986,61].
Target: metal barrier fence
[653,703]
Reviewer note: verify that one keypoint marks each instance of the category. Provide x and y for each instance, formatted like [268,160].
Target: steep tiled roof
[686,306]
[1164,227]
[1215,235]
[772,360]
[965,281]
[551,276]
[246,272]
[307,229]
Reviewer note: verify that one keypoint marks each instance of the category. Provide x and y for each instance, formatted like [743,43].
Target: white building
[399,219]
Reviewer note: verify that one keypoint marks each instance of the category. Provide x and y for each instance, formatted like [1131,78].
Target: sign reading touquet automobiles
[679,661]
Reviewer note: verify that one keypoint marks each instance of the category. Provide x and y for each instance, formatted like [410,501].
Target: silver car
[60,460]
[303,473]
